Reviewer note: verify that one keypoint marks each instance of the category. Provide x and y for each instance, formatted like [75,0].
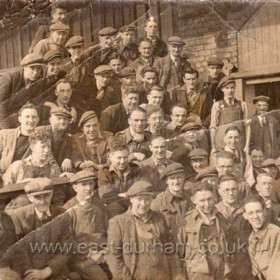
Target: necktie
[44,217]
[252,248]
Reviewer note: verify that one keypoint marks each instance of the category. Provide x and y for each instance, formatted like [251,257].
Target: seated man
[174,202]
[14,143]
[135,135]
[264,254]
[153,167]
[28,218]
[89,223]
[115,117]
[140,227]
[115,179]
[89,148]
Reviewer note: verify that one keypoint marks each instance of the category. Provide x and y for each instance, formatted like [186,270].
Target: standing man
[170,68]
[138,228]
[263,242]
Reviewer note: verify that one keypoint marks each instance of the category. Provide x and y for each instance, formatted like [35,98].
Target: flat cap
[277,161]
[32,59]
[127,71]
[146,69]
[215,61]
[107,31]
[261,98]
[175,40]
[205,173]
[127,28]
[52,54]
[190,126]
[225,80]
[171,169]
[83,175]
[225,178]
[269,162]
[103,70]
[61,112]
[86,116]
[74,41]
[141,187]
[39,186]
[59,26]
[197,153]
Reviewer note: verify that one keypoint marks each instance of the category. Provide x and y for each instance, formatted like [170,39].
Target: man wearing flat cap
[56,40]
[89,225]
[171,67]
[19,87]
[90,147]
[30,217]
[53,61]
[174,202]
[128,76]
[263,129]
[140,227]
[127,47]
[225,112]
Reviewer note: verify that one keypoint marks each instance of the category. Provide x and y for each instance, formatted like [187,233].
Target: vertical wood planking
[24,33]
[272,34]
[118,14]
[277,13]
[9,47]
[265,35]
[141,19]
[86,25]
[251,45]
[166,20]
[244,46]
[259,40]
[2,52]
[16,47]
[109,15]
[75,25]
[97,21]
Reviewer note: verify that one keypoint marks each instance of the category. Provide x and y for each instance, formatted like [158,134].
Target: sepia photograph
[139,140]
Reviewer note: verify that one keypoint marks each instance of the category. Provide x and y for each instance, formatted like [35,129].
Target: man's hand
[34,274]
[66,165]
[139,156]
[122,194]
[66,174]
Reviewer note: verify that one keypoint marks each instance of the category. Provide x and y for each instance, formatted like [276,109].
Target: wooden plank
[16,47]
[118,14]
[263,80]
[239,51]
[9,47]
[96,17]
[265,35]
[277,34]
[141,19]
[75,27]
[259,40]
[109,15]
[86,26]
[272,34]
[24,34]
[166,20]
[244,46]
[2,52]
[251,45]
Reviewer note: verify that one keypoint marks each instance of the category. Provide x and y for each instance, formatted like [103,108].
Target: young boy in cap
[89,148]
[128,76]
[142,228]
[263,242]
[53,61]
[56,40]
[30,217]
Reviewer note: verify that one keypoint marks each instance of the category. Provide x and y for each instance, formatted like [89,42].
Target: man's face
[102,80]
[257,158]
[59,122]
[255,214]
[175,50]
[145,49]
[76,51]
[190,80]
[91,129]
[199,163]
[105,42]
[138,121]
[156,121]
[85,189]
[264,186]
[204,201]
[59,37]
[130,101]
[42,202]
[232,139]
[224,166]
[214,71]
[54,66]
[116,65]
[191,135]
[41,151]
[149,79]
[59,14]
[63,92]
[175,182]
[119,160]
[141,204]
[155,97]
[151,29]
[158,148]
[128,37]
[179,116]
[228,90]
[128,80]
[28,119]
[261,107]
[228,190]
[32,72]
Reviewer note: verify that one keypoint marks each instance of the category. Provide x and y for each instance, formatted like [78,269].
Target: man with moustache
[137,228]
[115,117]
[263,241]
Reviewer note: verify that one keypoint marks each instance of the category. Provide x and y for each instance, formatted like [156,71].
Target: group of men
[135,166]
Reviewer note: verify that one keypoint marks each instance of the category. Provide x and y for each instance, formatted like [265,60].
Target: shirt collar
[40,214]
[260,234]
[204,218]
[145,220]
